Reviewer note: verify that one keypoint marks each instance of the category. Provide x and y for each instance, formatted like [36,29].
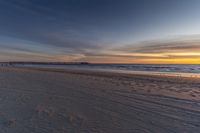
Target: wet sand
[63,101]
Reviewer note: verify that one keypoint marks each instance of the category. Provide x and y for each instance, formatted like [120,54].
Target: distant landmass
[44,63]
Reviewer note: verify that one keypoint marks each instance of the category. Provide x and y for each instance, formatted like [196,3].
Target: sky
[101,31]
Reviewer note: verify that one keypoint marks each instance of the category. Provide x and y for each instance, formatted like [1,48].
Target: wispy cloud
[162,46]
[182,49]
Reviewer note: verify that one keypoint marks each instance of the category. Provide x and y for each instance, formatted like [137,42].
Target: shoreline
[120,72]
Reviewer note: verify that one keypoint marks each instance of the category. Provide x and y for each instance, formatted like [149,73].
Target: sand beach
[34,100]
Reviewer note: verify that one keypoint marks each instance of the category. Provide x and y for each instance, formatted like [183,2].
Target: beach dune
[63,101]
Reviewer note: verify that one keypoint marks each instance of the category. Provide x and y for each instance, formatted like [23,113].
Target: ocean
[163,68]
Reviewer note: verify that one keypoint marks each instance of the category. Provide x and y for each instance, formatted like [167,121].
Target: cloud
[151,51]
[153,47]
[47,24]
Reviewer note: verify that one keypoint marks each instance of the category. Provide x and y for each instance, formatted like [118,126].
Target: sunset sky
[101,31]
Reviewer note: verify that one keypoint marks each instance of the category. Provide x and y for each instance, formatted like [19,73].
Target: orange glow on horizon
[143,58]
